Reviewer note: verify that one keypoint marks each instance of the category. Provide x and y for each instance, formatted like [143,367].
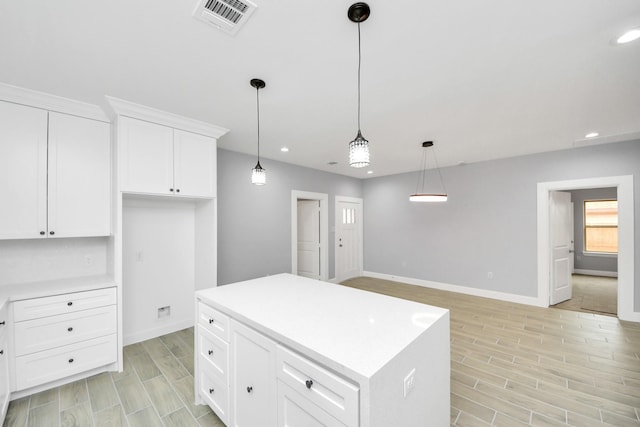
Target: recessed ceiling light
[629,36]
[369,172]
[284,149]
[591,135]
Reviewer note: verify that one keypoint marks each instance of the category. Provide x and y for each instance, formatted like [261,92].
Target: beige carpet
[593,294]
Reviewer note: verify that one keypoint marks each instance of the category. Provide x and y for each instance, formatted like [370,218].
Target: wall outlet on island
[409,382]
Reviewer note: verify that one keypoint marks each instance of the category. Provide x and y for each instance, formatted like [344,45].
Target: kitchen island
[285,350]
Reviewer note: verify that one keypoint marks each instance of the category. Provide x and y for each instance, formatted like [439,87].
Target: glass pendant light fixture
[258,175]
[421,196]
[359,147]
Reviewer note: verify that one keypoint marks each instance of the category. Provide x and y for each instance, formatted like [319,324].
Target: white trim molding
[119,107]
[502,296]
[626,236]
[46,101]
[324,230]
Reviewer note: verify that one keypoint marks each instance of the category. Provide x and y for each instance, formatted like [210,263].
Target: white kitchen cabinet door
[253,382]
[146,158]
[194,164]
[295,410]
[79,184]
[23,171]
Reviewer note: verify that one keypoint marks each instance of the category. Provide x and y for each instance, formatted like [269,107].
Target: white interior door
[309,238]
[348,238]
[561,226]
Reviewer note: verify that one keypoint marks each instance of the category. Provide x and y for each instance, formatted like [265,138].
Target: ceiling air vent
[227,15]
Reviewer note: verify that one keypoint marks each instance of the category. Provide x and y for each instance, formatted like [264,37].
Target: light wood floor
[517,365]
[511,365]
[155,389]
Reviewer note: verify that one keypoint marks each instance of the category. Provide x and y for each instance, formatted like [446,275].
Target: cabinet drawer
[326,390]
[4,323]
[56,331]
[215,392]
[45,366]
[60,304]
[214,321]
[213,352]
[295,410]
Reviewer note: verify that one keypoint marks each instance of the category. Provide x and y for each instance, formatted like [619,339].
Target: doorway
[310,234]
[348,241]
[626,273]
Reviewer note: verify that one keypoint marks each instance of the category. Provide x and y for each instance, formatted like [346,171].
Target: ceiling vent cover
[227,15]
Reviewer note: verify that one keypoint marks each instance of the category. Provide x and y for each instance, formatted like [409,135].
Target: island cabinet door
[253,380]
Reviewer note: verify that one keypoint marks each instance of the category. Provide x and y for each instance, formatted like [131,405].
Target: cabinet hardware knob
[1,352]
[210,321]
[211,391]
[42,233]
[70,303]
[2,323]
[177,190]
[69,329]
[71,360]
[308,383]
[210,352]
[52,232]
[249,389]
[171,189]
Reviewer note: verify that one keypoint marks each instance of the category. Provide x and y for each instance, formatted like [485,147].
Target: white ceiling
[483,79]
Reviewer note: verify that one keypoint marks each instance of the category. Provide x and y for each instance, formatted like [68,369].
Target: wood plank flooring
[517,365]
[154,389]
[511,365]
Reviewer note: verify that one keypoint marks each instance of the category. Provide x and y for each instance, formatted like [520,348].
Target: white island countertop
[349,330]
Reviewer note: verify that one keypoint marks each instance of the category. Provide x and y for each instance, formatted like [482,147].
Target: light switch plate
[409,382]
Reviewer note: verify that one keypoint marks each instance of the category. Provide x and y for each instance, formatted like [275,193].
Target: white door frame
[360,226]
[324,230]
[626,236]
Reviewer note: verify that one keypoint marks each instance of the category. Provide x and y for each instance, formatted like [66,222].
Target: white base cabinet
[305,353]
[4,362]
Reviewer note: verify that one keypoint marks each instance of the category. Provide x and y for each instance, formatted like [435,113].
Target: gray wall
[584,261]
[489,223]
[254,223]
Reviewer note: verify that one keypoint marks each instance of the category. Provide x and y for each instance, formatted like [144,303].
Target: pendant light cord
[423,171]
[258,109]
[359,65]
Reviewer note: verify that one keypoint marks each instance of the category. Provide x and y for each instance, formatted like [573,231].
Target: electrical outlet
[164,311]
[409,382]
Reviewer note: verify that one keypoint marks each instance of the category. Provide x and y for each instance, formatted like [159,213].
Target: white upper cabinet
[56,174]
[158,159]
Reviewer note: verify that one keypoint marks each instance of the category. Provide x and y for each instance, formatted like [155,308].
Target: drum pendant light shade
[359,147]
[258,174]
[422,196]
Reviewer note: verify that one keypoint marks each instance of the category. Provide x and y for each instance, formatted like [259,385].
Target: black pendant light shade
[359,147]
[258,174]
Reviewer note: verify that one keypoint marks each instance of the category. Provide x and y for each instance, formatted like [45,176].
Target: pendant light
[258,175]
[359,147]
[428,197]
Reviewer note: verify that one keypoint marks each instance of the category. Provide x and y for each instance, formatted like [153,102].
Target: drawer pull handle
[70,303]
[211,391]
[308,383]
[211,321]
[210,352]
[249,389]
[2,323]
[69,329]
[71,360]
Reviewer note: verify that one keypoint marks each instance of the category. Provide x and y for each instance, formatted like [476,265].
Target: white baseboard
[595,272]
[156,332]
[502,296]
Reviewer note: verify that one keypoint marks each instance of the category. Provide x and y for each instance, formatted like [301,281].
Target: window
[601,226]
